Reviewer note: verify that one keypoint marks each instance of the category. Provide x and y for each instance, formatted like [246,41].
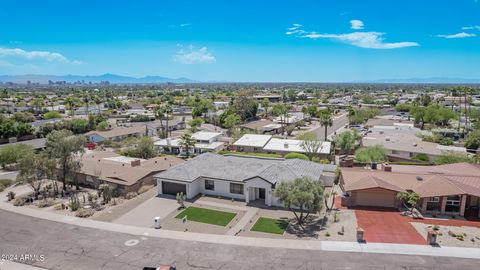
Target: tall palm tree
[71,103]
[167,110]
[187,141]
[326,120]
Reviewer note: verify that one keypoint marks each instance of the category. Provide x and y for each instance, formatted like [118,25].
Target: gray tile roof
[241,168]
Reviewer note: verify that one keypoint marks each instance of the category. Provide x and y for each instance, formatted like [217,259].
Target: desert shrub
[143,189]
[131,195]
[4,183]
[74,203]
[59,206]
[45,203]
[20,201]
[296,155]
[421,157]
[52,115]
[84,212]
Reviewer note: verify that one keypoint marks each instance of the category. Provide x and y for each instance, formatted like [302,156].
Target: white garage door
[378,198]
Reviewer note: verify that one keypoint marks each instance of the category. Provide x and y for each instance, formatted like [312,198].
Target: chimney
[168,141]
[386,167]
[135,163]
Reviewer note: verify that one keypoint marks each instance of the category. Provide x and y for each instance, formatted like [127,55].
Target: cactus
[74,203]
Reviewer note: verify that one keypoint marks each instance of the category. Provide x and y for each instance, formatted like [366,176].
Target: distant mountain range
[119,79]
[112,78]
[429,80]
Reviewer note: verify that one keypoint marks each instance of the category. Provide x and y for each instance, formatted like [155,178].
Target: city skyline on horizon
[345,41]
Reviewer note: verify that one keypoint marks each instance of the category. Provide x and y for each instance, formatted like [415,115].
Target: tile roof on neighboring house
[241,168]
[427,181]
[109,167]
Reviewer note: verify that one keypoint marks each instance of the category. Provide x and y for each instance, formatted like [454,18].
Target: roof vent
[419,178]
[387,139]
[415,145]
[285,145]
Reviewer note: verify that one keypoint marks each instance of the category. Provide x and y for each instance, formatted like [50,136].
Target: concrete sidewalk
[398,249]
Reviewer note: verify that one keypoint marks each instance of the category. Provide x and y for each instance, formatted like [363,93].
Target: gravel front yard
[471,235]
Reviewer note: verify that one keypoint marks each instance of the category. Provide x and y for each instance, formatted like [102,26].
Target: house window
[236,188]
[209,185]
[433,204]
[453,204]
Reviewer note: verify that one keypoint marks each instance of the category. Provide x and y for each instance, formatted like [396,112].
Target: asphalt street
[64,246]
[337,124]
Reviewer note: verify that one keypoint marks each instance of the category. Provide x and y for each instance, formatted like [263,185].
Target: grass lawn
[270,225]
[209,216]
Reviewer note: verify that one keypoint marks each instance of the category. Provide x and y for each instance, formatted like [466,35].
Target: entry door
[261,193]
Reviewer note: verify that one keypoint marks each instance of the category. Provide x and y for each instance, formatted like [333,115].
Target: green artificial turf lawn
[209,216]
[270,225]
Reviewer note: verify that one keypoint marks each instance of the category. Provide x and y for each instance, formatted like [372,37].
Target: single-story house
[240,177]
[255,143]
[452,189]
[407,146]
[263,126]
[205,142]
[116,134]
[252,143]
[157,126]
[36,144]
[125,173]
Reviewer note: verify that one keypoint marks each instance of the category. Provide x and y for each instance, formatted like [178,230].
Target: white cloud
[36,55]
[458,35]
[179,25]
[474,27]
[370,40]
[193,56]
[356,24]
[295,29]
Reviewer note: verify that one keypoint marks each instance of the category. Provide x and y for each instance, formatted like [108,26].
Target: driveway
[387,226]
[144,214]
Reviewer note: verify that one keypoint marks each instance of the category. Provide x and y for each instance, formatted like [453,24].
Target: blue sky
[316,41]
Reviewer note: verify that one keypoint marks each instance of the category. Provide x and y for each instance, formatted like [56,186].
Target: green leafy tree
[231,121]
[375,153]
[11,154]
[311,145]
[195,124]
[64,147]
[24,117]
[473,140]
[348,140]
[409,199]
[145,149]
[302,196]
[34,169]
[453,157]
[245,105]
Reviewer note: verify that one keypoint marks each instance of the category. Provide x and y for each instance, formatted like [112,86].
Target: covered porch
[259,191]
[463,205]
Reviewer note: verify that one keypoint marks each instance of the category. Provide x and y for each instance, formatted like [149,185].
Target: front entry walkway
[387,226]
[250,213]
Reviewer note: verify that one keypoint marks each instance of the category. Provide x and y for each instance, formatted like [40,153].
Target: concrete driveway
[144,214]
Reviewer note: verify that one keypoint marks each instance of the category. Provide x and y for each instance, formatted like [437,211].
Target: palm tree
[187,141]
[326,120]
[167,110]
[86,100]
[70,102]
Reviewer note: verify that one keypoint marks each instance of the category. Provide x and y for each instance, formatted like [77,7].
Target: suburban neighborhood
[239,135]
